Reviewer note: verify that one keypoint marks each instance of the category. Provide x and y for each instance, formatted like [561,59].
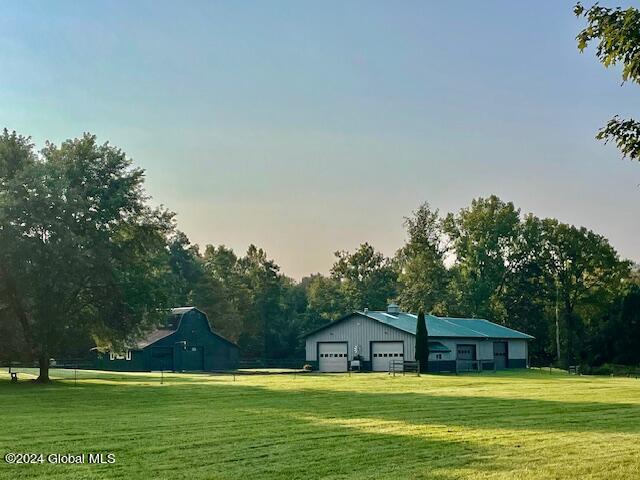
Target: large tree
[617,33]
[484,238]
[325,300]
[527,296]
[82,254]
[367,278]
[265,284]
[627,335]
[423,276]
[224,291]
[187,266]
[588,275]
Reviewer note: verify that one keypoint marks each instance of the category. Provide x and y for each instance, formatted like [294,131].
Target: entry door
[500,355]
[332,357]
[383,353]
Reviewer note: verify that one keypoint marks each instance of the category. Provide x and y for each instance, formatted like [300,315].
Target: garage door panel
[466,356]
[383,353]
[332,357]
[466,352]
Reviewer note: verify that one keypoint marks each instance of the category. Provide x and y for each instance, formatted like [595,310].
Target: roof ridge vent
[393,309]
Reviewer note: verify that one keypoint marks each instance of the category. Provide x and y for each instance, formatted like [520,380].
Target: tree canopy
[423,276]
[617,35]
[82,254]
[367,278]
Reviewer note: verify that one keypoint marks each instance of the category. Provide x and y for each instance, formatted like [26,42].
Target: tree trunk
[569,327]
[43,363]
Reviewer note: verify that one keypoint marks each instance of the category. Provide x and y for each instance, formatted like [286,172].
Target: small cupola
[393,309]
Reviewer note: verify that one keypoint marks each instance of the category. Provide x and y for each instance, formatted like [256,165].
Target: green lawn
[513,425]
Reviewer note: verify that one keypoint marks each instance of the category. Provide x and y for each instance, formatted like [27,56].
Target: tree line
[565,285]
[85,260]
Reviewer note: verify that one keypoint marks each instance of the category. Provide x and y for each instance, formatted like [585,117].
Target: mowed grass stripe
[506,425]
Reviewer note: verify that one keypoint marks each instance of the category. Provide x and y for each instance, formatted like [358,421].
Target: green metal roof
[447,326]
[440,326]
[437,347]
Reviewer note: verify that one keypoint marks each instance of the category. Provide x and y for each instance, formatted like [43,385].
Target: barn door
[500,355]
[193,359]
[466,356]
[161,358]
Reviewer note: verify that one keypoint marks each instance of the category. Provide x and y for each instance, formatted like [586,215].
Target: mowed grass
[511,425]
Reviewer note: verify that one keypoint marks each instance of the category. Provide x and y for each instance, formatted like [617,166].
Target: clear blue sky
[308,127]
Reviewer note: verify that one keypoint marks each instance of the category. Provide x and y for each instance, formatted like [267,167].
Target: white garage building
[380,337]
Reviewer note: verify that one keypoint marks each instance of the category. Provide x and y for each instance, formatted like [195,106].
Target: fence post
[161,376]
[418,367]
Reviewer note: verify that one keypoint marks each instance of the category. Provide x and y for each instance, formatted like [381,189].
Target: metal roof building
[378,338]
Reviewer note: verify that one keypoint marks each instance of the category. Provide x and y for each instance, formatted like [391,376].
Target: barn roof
[153,337]
[440,326]
[181,310]
[172,325]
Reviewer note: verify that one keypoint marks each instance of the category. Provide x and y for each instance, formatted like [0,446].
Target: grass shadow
[214,428]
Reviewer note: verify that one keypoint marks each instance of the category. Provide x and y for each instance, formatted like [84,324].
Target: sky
[311,127]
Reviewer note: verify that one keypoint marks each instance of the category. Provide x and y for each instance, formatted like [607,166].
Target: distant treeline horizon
[488,260]
[85,261]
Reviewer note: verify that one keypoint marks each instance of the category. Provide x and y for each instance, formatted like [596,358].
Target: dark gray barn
[186,343]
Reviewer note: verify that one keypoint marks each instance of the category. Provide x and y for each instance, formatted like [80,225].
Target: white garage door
[384,352]
[332,357]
